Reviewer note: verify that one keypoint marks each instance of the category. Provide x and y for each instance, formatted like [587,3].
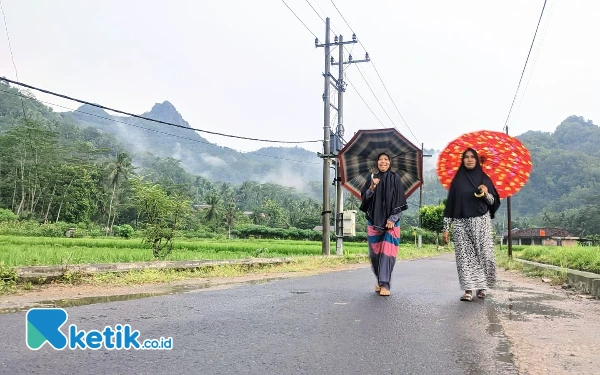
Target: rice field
[32,251]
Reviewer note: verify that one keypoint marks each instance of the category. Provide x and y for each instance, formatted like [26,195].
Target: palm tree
[352,203]
[216,207]
[117,171]
[230,216]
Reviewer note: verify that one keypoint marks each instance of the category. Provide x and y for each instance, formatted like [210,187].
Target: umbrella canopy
[502,157]
[358,159]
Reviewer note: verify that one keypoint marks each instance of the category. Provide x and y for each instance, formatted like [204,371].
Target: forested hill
[563,190]
[199,156]
[564,187]
[146,139]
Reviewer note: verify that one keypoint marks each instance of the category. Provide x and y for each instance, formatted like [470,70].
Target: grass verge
[504,262]
[47,253]
[582,258]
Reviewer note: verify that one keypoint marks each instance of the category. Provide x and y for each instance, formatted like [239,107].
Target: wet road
[330,323]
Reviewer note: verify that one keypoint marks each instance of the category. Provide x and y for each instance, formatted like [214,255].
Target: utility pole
[421,190]
[326,140]
[328,153]
[509,226]
[339,202]
[422,182]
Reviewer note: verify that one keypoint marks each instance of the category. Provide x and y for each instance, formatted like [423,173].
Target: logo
[43,325]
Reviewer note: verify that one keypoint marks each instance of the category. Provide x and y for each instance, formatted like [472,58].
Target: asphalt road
[327,324]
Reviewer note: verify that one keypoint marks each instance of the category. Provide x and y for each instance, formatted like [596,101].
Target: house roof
[541,232]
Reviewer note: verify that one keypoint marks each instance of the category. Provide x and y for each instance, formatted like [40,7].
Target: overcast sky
[250,68]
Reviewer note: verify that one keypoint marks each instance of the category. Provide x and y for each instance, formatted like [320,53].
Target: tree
[432,219]
[215,209]
[230,214]
[117,171]
[162,214]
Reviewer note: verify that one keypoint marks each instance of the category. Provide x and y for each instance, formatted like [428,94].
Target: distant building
[320,228]
[541,236]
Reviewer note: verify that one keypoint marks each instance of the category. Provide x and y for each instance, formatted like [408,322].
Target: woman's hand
[446,237]
[389,225]
[374,184]
[483,189]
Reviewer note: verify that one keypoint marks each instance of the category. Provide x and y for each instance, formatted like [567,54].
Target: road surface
[331,323]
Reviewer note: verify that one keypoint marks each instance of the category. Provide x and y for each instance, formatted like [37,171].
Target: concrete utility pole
[421,191]
[328,155]
[422,182]
[509,226]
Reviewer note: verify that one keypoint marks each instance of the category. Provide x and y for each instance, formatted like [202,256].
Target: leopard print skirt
[474,250]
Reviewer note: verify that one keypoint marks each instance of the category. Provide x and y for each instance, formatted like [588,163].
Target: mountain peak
[93,110]
[167,112]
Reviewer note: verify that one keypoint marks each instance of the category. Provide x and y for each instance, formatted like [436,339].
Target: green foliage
[583,258]
[162,214]
[7,215]
[72,168]
[8,277]
[264,232]
[432,218]
[124,231]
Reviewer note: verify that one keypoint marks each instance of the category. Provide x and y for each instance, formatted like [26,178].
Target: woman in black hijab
[383,200]
[471,206]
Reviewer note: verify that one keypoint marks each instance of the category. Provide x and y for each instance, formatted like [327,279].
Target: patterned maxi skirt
[474,251]
[383,250]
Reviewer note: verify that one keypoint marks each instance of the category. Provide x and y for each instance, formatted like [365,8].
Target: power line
[8,37]
[147,118]
[334,30]
[524,67]
[537,54]
[351,84]
[313,8]
[376,98]
[378,75]
[11,53]
[393,102]
[141,127]
[302,22]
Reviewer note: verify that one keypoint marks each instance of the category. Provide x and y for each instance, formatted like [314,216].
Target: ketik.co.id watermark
[43,325]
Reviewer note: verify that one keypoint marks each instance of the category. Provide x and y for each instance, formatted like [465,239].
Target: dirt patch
[551,330]
[56,294]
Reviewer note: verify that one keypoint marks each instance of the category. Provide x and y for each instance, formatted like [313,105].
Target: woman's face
[469,160]
[383,163]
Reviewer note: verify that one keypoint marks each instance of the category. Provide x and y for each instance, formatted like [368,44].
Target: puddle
[514,289]
[81,301]
[502,354]
[522,309]
[176,289]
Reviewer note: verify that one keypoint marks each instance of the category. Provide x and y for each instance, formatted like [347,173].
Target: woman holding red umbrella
[383,200]
[472,203]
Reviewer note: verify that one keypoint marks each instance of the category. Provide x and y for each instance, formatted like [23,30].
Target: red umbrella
[502,157]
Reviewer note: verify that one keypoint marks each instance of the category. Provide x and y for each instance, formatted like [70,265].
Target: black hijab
[388,198]
[462,202]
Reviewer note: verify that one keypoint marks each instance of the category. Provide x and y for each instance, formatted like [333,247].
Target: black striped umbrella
[358,159]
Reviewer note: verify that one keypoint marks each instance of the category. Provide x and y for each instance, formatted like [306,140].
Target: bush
[7,215]
[8,277]
[123,231]
[54,230]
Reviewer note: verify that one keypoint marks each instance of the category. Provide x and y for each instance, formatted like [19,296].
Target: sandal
[377,288]
[481,294]
[467,297]
[384,292]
